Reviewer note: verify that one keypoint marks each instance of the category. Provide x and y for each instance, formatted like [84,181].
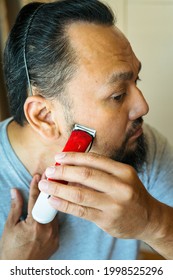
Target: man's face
[103,92]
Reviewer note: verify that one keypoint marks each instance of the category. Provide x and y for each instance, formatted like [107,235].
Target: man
[80,69]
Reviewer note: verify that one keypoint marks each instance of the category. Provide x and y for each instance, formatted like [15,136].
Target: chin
[131,147]
[136,154]
[133,153]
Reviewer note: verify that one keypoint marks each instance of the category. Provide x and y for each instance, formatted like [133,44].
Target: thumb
[16,207]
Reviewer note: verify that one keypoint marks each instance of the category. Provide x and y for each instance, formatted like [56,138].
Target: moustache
[134,127]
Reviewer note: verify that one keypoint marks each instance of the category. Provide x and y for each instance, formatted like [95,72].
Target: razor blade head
[91,131]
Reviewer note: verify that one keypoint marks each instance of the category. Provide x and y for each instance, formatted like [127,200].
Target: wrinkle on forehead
[93,40]
[101,49]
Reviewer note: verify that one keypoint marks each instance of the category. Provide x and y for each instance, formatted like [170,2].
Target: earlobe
[39,115]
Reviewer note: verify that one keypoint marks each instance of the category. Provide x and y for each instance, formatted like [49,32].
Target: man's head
[40,31]
[82,70]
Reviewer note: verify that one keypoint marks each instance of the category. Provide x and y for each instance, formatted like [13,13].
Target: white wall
[148,24]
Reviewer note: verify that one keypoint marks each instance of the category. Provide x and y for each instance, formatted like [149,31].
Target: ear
[39,114]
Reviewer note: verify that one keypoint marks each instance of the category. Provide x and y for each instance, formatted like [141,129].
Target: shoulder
[5,145]
[153,136]
[158,170]
[158,145]
[4,124]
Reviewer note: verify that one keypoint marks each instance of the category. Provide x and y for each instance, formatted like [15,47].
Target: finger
[43,176]
[93,160]
[34,192]
[67,207]
[16,207]
[91,178]
[76,194]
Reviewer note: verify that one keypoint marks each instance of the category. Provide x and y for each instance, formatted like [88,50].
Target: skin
[104,96]
[27,239]
[106,53]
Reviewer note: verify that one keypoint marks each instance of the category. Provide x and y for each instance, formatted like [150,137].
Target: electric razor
[80,140]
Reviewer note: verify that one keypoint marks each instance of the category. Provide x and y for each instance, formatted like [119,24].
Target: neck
[34,152]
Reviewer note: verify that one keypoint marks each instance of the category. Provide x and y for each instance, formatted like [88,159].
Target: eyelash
[119,98]
[137,80]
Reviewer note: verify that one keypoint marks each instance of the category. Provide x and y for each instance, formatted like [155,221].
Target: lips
[136,133]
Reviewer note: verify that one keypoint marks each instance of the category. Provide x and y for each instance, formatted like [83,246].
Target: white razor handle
[42,211]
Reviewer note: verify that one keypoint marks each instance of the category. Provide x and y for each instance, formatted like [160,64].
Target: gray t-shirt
[81,239]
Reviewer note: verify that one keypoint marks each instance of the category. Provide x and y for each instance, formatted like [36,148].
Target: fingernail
[50,170]
[59,157]
[13,194]
[43,185]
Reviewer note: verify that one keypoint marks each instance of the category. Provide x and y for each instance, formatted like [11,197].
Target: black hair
[38,50]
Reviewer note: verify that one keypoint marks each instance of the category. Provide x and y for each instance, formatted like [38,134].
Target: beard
[136,156]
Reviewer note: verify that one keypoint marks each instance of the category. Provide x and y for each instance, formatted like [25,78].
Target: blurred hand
[27,239]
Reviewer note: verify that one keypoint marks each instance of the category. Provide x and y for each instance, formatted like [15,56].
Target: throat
[27,148]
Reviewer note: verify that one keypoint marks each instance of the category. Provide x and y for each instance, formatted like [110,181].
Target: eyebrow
[123,76]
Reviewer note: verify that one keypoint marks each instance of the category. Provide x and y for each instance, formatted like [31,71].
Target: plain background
[148,24]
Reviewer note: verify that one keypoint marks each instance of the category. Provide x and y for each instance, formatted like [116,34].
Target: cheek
[108,138]
[88,115]
[110,135]
[109,123]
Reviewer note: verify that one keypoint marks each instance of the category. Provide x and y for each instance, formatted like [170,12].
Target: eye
[119,97]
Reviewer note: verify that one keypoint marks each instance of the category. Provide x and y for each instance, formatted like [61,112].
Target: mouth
[135,133]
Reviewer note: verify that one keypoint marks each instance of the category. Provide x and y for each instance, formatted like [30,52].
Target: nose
[138,105]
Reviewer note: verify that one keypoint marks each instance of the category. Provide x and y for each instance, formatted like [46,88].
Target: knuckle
[65,206]
[129,192]
[78,196]
[81,211]
[92,156]
[55,190]
[130,171]
[86,173]
[62,170]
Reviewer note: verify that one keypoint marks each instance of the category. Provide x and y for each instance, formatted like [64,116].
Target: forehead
[101,47]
